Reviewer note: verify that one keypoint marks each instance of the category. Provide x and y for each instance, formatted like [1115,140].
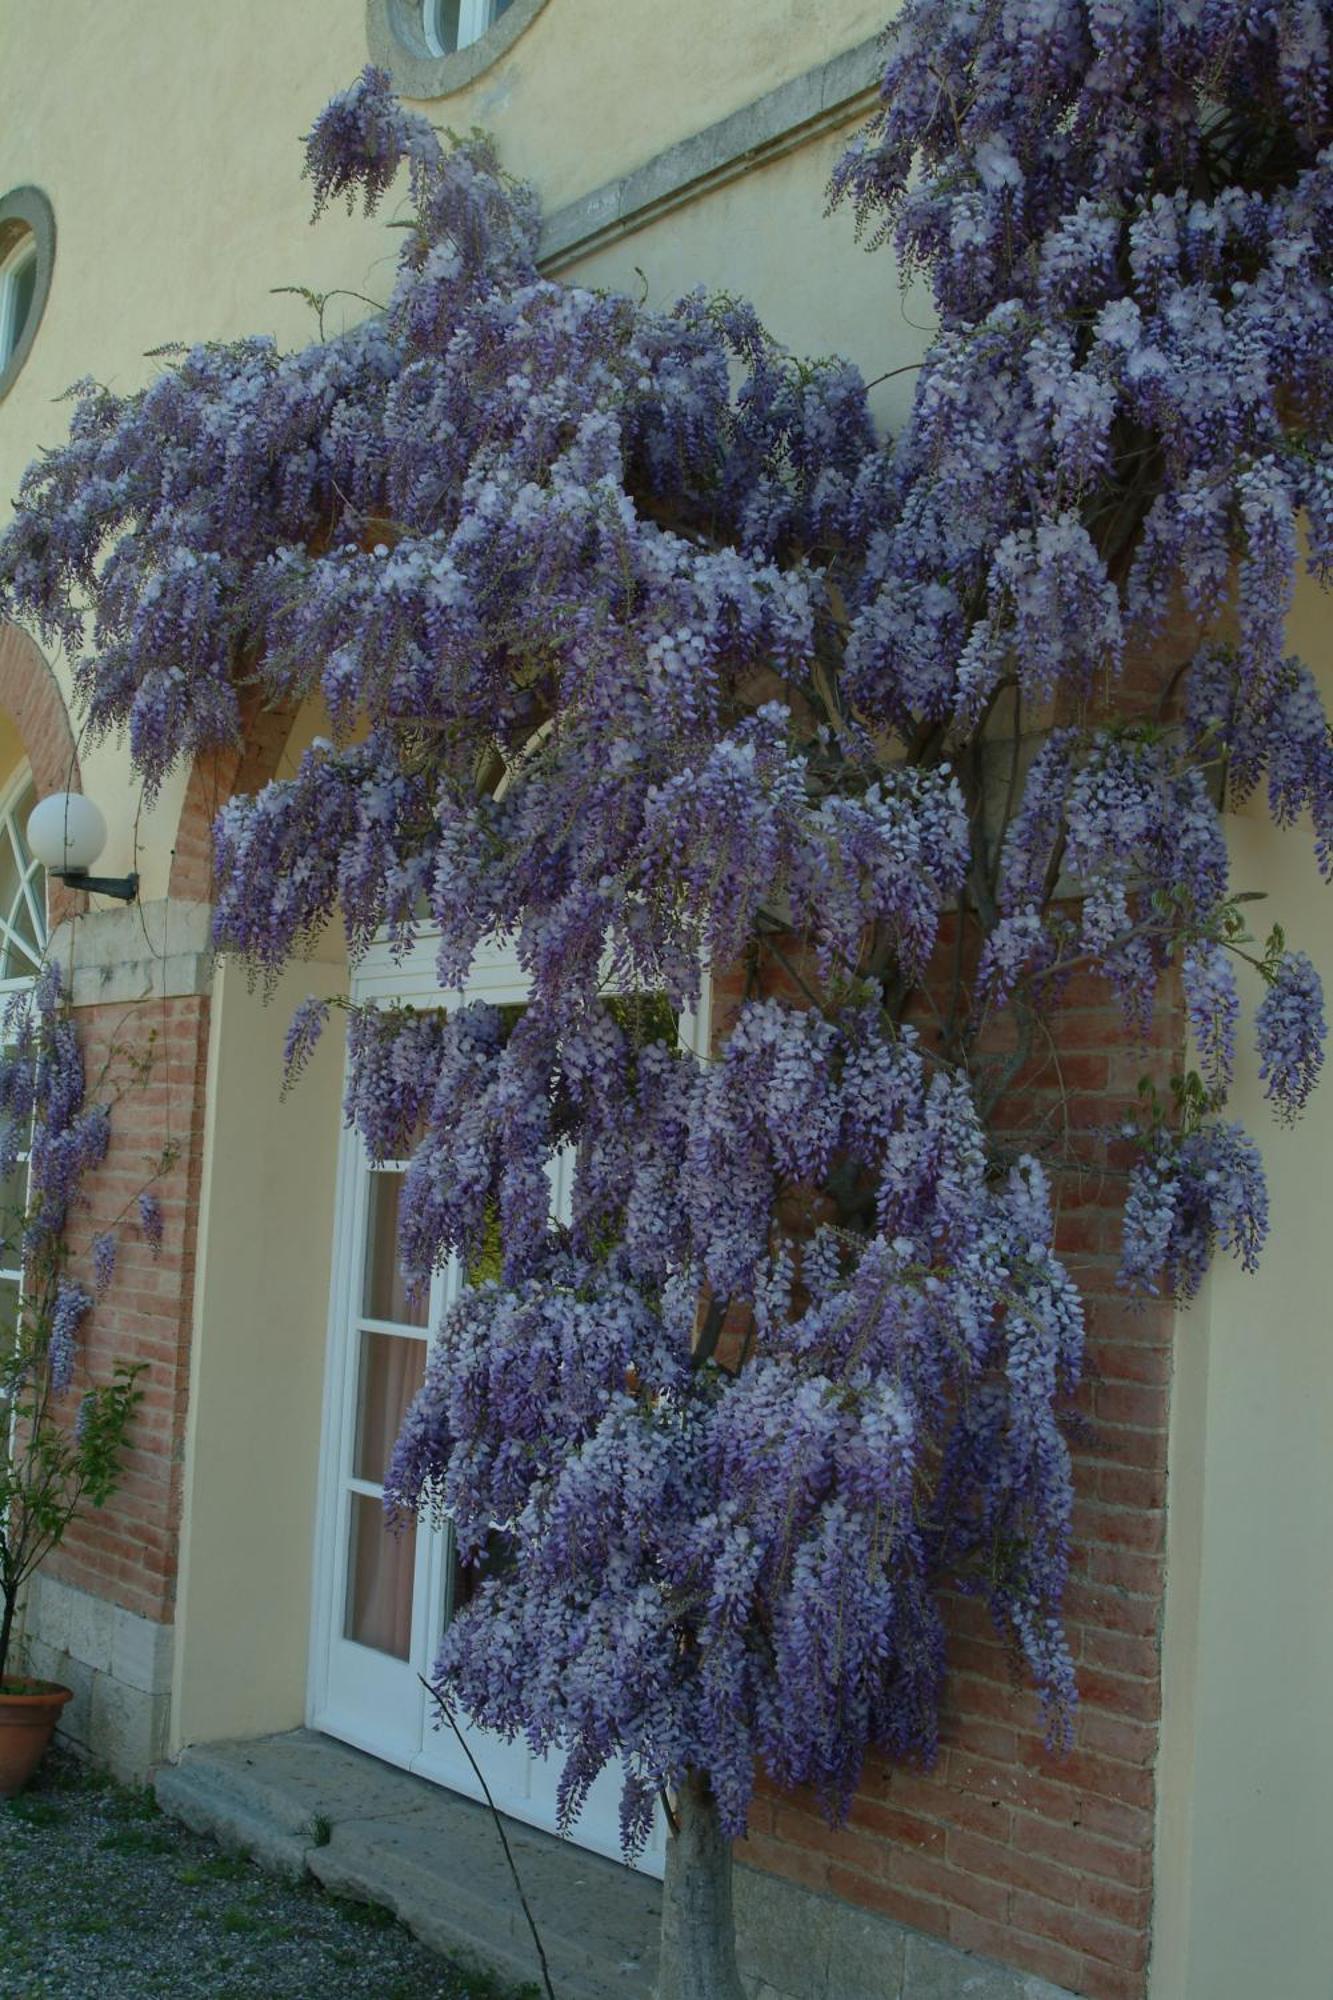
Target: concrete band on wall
[26,211]
[832,94]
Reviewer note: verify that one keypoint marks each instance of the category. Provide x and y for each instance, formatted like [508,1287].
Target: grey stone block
[89,1623]
[143,951]
[141,1653]
[128,1729]
[866,1957]
[47,1613]
[76,1718]
[937,1971]
[782,1930]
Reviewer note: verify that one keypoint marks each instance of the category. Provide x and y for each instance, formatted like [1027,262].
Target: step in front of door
[303,1803]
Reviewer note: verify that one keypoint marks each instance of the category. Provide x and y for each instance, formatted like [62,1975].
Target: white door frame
[368,1698]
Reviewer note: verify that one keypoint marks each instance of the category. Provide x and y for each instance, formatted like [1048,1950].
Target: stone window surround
[397,43]
[26,209]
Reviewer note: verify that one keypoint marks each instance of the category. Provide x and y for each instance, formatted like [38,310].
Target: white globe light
[66,833]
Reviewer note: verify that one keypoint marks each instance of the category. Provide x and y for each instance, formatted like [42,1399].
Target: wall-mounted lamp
[66,833]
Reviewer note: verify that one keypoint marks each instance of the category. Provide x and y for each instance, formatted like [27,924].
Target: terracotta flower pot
[29,1711]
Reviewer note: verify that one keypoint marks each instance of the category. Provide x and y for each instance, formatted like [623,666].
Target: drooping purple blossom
[1186,1197]
[72,1302]
[1291,1030]
[150,1218]
[104,1259]
[1213,1004]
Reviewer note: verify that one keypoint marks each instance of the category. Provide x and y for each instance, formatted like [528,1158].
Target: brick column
[100,1614]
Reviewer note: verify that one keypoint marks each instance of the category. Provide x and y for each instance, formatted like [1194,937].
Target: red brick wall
[1040,1860]
[127,1551]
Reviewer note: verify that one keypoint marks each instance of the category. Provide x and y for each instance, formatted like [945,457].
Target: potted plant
[58,1451]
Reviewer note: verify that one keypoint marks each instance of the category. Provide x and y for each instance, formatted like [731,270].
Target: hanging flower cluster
[643,651]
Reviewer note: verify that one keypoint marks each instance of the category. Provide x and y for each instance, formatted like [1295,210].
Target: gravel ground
[101,1898]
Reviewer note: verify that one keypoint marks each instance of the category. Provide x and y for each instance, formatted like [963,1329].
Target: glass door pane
[388,1355]
[381,1562]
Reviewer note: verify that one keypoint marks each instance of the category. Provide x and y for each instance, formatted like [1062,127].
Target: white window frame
[20,257]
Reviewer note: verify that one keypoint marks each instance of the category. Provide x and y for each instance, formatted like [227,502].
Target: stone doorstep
[302,1804]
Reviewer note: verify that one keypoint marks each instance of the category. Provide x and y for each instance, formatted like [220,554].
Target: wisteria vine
[642,650]
[52,1138]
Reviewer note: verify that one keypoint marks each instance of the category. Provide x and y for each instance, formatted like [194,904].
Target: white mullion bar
[397,1328]
[367,1488]
[38,921]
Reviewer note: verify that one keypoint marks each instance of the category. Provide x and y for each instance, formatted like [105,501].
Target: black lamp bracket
[125,888]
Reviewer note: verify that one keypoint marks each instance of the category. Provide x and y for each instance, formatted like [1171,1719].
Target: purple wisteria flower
[150,1218]
[1291,1030]
[71,1305]
[104,1259]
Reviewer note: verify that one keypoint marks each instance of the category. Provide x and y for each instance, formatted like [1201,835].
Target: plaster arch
[31,700]
[265,732]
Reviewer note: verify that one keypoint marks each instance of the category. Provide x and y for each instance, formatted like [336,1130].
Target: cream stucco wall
[257,1367]
[765,237]
[1244,1910]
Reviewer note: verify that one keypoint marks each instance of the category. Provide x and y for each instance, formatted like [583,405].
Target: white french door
[385,1597]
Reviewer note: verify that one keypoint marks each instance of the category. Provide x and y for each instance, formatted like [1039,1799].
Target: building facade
[241,1583]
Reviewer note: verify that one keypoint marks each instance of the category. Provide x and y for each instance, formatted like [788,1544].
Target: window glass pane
[9,1312]
[466,1579]
[439,18]
[21,923]
[19,814]
[25,289]
[488,1264]
[392,1370]
[11,872]
[379,1580]
[13,1200]
[386,1295]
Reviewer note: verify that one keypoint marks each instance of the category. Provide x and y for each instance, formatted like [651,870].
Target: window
[433,47]
[27,253]
[450,25]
